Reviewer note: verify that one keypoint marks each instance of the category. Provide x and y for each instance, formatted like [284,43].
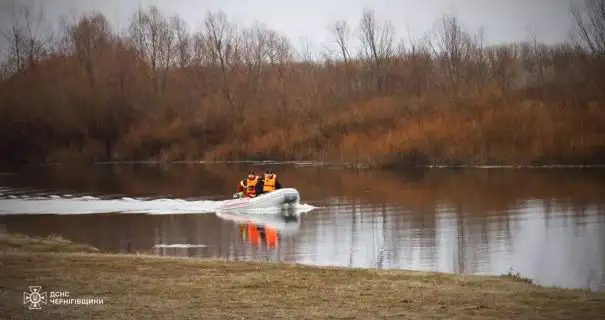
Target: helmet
[268,171]
[251,174]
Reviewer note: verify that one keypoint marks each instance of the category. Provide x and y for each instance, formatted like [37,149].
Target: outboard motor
[291,198]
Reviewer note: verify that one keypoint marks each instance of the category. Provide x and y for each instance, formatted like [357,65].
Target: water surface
[546,224]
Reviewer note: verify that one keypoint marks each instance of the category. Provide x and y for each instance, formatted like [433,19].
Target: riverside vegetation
[145,287]
[160,90]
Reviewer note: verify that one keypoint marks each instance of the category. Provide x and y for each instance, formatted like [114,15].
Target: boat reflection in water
[264,229]
[257,234]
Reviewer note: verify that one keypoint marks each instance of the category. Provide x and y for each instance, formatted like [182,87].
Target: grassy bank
[94,93]
[149,287]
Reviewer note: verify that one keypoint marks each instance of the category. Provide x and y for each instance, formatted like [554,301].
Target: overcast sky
[502,21]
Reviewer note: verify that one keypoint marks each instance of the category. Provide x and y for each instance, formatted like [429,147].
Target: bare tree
[200,52]
[184,45]
[455,49]
[255,52]
[280,49]
[88,36]
[306,53]
[26,44]
[220,39]
[590,25]
[535,58]
[342,35]
[478,74]
[280,57]
[417,64]
[154,41]
[377,45]
[502,62]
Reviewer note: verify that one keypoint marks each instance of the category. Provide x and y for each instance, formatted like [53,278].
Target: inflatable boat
[278,199]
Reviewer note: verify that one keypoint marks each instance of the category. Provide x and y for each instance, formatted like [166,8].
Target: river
[545,224]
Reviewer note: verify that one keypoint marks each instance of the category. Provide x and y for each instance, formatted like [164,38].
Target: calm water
[547,224]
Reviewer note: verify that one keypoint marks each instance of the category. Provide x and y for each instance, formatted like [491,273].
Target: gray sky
[502,20]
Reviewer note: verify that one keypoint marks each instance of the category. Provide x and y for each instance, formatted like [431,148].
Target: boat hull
[281,198]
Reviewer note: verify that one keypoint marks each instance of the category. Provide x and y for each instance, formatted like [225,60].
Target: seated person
[248,186]
[268,182]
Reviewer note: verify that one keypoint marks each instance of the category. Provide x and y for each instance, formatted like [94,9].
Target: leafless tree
[377,45]
[502,62]
[342,35]
[306,53]
[26,43]
[87,36]
[199,55]
[154,41]
[220,38]
[255,52]
[590,25]
[455,49]
[281,56]
[417,64]
[280,49]
[184,44]
[535,59]
[479,71]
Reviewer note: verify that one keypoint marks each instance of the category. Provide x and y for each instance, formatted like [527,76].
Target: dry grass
[149,287]
[17,242]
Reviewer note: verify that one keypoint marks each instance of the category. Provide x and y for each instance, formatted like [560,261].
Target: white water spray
[66,204]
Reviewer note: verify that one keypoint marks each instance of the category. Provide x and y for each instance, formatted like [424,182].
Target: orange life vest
[250,187]
[269,184]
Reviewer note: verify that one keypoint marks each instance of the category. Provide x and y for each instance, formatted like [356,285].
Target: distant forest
[159,90]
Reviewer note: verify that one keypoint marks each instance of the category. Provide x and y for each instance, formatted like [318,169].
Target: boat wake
[91,205]
[67,204]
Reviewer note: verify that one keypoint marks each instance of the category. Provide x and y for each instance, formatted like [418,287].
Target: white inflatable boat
[278,199]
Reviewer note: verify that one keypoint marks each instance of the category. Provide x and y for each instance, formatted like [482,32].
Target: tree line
[161,90]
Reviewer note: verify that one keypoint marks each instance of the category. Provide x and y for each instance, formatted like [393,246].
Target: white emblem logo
[35,297]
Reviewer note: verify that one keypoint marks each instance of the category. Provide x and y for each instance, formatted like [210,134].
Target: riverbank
[544,135]
[145,286]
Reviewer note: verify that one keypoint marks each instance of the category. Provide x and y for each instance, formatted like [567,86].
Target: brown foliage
[163,92]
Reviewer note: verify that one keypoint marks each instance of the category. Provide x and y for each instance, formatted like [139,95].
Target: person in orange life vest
[249,185]
[269,182]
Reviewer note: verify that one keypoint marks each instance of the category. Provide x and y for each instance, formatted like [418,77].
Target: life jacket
[269,184]
[250,187]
